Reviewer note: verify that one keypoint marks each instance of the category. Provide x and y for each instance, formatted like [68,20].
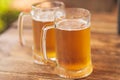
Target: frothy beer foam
[46,16]
[72,24]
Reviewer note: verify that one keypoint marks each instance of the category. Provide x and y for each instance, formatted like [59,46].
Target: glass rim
[50,1]
[75,13]
[82,14]
[86,11]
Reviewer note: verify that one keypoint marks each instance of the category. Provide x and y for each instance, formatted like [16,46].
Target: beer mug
[73,51]
[42,14]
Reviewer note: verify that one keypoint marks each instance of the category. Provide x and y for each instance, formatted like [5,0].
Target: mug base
[74,74]
[38,59]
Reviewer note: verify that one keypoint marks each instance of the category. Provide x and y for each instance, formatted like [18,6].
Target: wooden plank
[16,62]
[118,16]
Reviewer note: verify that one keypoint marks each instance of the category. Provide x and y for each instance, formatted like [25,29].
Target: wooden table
[16,62]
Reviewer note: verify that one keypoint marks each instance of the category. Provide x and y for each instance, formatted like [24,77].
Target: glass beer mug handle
[20,27]
[43,46]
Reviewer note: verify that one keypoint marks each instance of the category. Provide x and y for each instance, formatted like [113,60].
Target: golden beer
[37,28]
[73,44]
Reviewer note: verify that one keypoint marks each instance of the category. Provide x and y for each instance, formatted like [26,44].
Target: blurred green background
[7,15]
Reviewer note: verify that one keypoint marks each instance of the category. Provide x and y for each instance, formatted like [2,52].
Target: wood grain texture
[16,62]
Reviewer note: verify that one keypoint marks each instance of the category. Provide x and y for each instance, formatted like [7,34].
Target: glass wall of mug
[42,14]
[73,51]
